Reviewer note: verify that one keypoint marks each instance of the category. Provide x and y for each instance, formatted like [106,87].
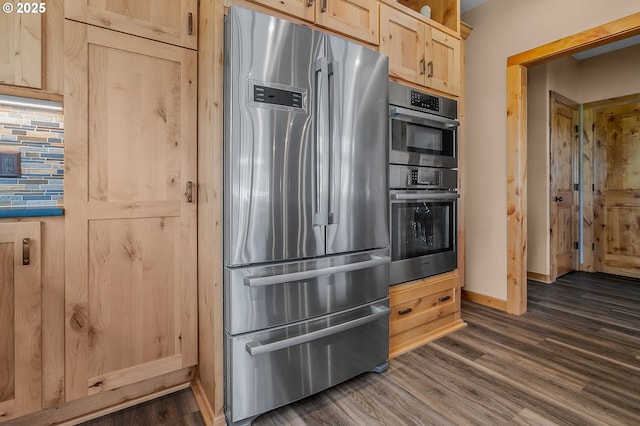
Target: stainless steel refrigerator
[306,229]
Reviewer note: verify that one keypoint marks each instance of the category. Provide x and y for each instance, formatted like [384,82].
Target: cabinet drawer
[422,310]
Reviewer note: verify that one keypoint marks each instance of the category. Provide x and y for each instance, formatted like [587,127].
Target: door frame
[517,141]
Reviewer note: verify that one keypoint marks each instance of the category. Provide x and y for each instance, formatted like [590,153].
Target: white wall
[503,28]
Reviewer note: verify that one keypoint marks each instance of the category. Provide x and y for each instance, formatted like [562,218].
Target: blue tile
[45,123]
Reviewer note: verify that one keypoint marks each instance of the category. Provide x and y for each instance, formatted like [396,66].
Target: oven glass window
[422,228]
[422,139]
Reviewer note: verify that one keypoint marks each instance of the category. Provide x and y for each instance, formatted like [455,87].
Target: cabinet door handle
[26,251]
[423,71]
[405,311]
[324,6]
[309,3]
[430,65]
[444,298]
[190,23]
[189,192]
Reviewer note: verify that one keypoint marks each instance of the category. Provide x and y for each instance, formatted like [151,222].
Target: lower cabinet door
[268,369]
[20,320]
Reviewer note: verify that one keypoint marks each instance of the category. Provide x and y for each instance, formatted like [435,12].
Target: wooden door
[617,198]
[20,320]
[563,169]
[170,21]
[402,38]
[354,18]
[130,225]
[21,48]
[443,62]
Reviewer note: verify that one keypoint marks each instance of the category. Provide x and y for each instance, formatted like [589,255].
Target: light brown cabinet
[423,310]
[169,21]
[355,18]
[419,53]
[20,320]
[21,48]
[130,209]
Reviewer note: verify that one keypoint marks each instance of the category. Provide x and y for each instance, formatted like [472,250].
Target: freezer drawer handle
[256,348]
[257,281]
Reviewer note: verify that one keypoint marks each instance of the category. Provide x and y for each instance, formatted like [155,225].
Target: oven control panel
[422,100]
[427,177]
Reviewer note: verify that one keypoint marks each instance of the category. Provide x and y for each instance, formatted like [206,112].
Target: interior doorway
[516,142]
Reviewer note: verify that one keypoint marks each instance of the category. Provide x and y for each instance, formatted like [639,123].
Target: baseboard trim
[482,299]
[203,403]
[91,407]
[543,278]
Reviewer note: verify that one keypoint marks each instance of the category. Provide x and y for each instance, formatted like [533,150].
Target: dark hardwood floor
[572,359]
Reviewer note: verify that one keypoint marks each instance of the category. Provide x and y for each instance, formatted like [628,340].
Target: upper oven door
[422,139]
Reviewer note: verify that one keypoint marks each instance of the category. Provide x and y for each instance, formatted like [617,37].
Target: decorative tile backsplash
[38,135]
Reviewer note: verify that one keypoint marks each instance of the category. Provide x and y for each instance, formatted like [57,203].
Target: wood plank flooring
[572,359]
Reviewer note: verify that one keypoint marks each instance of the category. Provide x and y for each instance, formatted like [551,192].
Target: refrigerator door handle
[335,128]
[260,281]
[321,111]
[256,348]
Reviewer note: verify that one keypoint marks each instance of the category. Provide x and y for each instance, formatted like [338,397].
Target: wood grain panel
[21,292]
[354,18]
[163,20]
[210,231]
[131,243]
[133,293]
[564,172]
[588,241]
[402,38]
[7,325]
[618,182]
[445,59]
[21,50]
[516,189]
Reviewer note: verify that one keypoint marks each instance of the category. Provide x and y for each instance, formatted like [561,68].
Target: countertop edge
[31,212]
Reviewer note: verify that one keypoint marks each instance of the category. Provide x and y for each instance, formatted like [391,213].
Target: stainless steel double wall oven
[423,182]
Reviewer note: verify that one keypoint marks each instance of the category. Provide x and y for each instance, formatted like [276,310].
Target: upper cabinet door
[302,9]
[20,320]
[169,21]
[354,18]
[21,49]
[402,38]
[443,62]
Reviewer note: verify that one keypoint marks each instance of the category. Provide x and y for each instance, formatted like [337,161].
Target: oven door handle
[256,348]
[422,117]
[374,260]
[425,197]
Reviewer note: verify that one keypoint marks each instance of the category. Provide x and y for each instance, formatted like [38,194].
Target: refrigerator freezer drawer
[260,297]
[268,369]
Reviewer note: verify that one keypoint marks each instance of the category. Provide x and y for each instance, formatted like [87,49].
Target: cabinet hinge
[575,245]
[593,187]
[575,187]
[593,246]
[577,129]
[593,127]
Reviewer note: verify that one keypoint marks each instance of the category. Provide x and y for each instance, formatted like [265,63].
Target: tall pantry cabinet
[130,193]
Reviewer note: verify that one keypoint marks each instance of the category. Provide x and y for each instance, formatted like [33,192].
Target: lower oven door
[271,368]
[423,234]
